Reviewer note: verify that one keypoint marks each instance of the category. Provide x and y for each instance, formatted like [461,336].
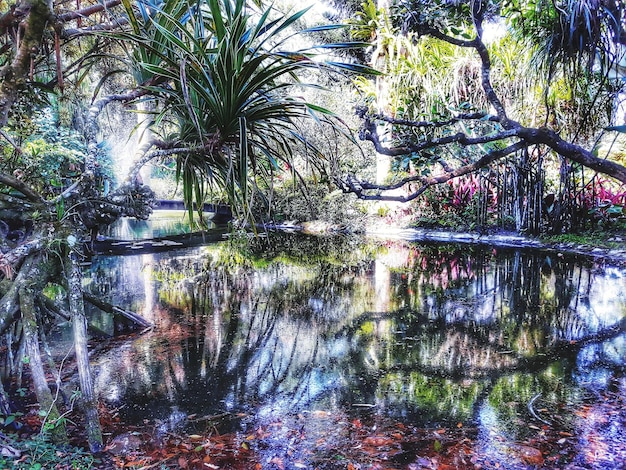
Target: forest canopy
[520,101]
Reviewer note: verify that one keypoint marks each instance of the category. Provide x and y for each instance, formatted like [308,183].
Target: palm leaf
[228,84]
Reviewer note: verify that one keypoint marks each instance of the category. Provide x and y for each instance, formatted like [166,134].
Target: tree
[215,81]
[482,133]
[228,80]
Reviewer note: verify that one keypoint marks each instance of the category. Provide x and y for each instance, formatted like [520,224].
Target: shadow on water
[307,336]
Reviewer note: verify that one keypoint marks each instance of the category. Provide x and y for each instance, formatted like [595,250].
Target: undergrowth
[38,453]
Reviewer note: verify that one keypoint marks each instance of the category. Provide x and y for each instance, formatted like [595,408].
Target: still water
[292,326]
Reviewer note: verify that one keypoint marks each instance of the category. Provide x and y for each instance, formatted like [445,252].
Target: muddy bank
[610,249]
[504,239]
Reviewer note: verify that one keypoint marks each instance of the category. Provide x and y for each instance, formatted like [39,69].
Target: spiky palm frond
[229,78]
[570,34]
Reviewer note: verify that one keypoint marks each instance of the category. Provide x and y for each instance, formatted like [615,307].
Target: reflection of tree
[465,318]
[237,335]
[304,333]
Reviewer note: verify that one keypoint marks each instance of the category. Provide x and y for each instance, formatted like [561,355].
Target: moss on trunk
[54,424]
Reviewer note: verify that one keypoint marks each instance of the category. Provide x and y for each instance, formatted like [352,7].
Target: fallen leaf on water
[529,455]
[437,446]
[278,462]
[377,441]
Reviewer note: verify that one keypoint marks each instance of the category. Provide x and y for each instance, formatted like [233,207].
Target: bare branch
[160,153]
[78,32]
[482,116]
[8,138]
[572,151]
[370,133]
[20,186]
[88,11]
[444,37]
[360,188]
[9,260]
[165,149]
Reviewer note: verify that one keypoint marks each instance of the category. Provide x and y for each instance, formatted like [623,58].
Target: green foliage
[309,202]
[449,17]
[365,24]
[231,85]
[51,156]
[7,420]
[569,33]
[37,452]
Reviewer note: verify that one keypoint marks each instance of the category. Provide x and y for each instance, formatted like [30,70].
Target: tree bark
[50,306]
[79,328]
[53,422]
[5,403]
[33,16]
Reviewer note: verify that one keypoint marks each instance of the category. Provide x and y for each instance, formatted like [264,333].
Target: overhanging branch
[20,186]
[375,192]
[480,116]
[369,133]
[511,129]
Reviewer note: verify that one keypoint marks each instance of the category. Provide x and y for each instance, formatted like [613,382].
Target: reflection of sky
[606,303]
[597,363]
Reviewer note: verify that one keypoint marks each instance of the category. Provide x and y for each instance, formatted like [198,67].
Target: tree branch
[88,11]
[572,151]
[22,187]
[512,129]
[435,124]
[9,260]
[369,133]
[36,14]
[78,32]
[351,185]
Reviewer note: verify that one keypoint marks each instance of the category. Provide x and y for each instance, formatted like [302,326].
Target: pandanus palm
[227,85]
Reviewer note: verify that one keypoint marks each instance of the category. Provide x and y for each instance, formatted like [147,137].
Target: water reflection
[429,335]
[161,223]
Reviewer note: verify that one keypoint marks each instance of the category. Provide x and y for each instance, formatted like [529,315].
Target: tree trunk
[115,310]
[79,328]
[53,422]
[5,403]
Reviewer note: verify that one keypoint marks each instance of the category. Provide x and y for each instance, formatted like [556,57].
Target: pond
[296,344]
